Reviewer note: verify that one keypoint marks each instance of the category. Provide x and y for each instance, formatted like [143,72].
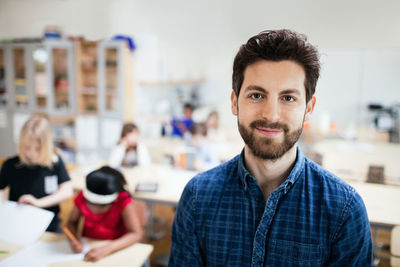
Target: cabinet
[74,83]
[86,53]
[105,103]
[35,77]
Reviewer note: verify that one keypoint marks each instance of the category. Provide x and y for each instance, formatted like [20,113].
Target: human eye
[256,96]
[288,98]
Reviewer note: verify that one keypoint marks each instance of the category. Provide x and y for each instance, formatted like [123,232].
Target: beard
[267,148]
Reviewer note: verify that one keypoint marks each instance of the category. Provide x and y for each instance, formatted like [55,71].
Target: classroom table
[350,160]
[381,201]
[136,255]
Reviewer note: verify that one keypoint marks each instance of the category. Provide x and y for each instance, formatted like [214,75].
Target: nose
[270,110]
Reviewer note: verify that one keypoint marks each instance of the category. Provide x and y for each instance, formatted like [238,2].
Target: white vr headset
[99,199]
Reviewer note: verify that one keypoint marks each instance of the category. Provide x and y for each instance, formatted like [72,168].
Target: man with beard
[270,205]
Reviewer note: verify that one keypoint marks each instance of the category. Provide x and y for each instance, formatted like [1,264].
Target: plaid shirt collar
[294,175]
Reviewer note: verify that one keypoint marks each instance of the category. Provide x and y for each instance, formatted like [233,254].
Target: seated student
[108,213]
[205,157]
[37,176]
[182,126]
[214,133]
[130,151]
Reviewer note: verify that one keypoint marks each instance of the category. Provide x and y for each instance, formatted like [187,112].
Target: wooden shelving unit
[68,80]
[87,81]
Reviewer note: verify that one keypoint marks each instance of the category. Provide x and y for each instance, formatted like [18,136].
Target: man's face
[271,107]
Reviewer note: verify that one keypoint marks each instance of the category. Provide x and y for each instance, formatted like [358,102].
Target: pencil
[69,234]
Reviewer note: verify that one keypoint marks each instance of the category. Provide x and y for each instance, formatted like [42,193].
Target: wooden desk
[9,248]
[171,183]
[350,160]
[382,202]
[136,255]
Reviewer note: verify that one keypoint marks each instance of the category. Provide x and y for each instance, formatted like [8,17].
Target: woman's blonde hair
[37,128]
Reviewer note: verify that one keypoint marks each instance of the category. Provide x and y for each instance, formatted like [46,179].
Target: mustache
[270,125]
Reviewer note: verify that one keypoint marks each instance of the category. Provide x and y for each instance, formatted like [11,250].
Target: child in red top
[108,213]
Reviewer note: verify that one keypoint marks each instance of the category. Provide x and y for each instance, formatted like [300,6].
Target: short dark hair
[278,45]
[189,106]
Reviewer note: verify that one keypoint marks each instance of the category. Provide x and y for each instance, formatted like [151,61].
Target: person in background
[37,175]
[181,126]
[214,133]
[204,157]
[270,205]
[130,151]
[108,213]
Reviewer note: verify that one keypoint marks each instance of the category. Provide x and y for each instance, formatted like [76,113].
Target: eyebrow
[255,88]
[290,91]
[262,90]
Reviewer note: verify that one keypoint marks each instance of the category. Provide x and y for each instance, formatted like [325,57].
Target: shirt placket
[263,228]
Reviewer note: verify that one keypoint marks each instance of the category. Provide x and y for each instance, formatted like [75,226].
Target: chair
[395,247]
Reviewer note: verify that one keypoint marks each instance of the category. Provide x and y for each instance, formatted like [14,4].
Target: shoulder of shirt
[330,182]
[12,160]
[216,177]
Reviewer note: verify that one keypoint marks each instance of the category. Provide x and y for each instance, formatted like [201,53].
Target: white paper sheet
[22,224]
[41,254]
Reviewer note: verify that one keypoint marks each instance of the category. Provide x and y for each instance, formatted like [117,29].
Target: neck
[270,174]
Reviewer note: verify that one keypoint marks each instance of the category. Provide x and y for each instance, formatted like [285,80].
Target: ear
[234,103]
[310,108]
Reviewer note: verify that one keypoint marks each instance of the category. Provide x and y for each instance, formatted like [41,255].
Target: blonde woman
[37,176]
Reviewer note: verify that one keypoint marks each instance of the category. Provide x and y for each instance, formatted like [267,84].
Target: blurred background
[94,64]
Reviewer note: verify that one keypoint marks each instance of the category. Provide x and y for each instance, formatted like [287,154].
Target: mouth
[268,132]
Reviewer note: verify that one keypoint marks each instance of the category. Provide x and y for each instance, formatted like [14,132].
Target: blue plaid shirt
[311,219]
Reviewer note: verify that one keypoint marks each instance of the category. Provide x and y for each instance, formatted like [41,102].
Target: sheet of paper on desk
[22,224]
[41,254]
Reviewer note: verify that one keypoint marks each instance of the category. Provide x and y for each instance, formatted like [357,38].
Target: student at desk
[108,213]
[130,151]
[37,176]
[180,126]
[205,157]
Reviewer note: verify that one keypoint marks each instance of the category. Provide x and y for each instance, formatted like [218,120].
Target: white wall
[195,38]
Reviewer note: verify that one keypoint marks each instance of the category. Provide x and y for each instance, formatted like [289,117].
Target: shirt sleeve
[61,171]
[79,200]
[352,245]
[4,175]
[143,155]
[185,250]
[125,200]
